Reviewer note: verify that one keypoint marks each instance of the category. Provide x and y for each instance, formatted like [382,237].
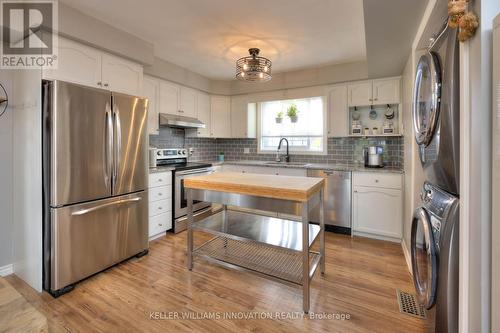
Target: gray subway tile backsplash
[348,150]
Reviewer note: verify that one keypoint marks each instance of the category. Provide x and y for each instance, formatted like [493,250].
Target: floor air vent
[408,304]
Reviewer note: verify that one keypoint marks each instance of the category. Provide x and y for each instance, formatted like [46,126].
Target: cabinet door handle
[355,191]
[106,85]
[180,111]
[161,225]
[99,83]
[376,180]
[160,194]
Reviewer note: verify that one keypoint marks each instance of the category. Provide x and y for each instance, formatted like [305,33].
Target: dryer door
[426,98]
[424,258]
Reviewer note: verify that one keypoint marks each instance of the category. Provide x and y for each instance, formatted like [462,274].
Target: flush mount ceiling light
[253,68]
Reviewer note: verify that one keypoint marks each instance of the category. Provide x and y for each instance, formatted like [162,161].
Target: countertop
[161,169]
[312,166]
[267,186]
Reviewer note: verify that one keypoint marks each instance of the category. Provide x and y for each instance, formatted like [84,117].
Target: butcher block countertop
[268,186]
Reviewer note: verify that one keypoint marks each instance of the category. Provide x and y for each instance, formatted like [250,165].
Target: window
[307,135]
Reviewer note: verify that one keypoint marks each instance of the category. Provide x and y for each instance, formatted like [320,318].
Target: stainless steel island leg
[322,231]
[305,257]
[190,221]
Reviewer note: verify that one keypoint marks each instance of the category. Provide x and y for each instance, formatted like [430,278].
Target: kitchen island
[273,247]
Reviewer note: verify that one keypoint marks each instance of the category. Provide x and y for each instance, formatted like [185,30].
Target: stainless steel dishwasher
[337,200]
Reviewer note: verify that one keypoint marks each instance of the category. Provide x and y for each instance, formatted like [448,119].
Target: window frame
[294,152]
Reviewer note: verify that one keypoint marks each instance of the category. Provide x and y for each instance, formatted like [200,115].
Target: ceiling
[208,36]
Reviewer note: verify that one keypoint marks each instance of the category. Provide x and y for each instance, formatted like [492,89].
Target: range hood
[179,121]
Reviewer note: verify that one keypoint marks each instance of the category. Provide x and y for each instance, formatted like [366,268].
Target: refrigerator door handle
[92,209]
[118,143]
[109,144]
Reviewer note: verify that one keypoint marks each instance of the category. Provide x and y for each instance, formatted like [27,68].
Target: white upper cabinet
[220,107]
[121,75]
[387,91]
[187,102]
[338,112]
[360,93]
[151,89]
[203,110]
[375,92]
[87,66]
[243,118]
[169,98]
[77,63]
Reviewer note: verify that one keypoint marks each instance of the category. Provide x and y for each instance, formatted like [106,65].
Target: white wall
[475,178]
[27,177]
[6,231]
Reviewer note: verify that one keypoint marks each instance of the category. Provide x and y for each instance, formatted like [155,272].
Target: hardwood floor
[361,279]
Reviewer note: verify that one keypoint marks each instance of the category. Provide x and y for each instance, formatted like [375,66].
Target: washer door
[426,98]
[424,258]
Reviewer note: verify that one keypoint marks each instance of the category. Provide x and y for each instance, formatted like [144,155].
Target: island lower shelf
[266,245]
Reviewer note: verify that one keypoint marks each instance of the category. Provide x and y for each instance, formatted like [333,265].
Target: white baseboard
[374,236]
[6,270]
[406,252]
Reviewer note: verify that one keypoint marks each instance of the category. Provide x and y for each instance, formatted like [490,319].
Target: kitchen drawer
[376,179]
[160,223]
[159,207]
[160,179]
[160,193]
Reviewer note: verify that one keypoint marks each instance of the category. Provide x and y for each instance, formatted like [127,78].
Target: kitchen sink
[290,164]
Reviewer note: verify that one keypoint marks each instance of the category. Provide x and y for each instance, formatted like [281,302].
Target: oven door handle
[192,172]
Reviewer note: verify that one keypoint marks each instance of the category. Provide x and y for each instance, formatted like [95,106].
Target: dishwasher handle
[341,174]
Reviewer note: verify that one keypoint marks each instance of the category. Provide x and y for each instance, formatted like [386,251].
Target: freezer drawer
[337,198]
[89,237]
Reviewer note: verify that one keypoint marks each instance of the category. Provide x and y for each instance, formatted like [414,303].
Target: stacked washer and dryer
[435,227]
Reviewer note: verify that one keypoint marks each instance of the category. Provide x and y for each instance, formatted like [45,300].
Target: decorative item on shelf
[389,113]
[356,127]
[4,101]
[279,117]
[388,127]
[367,131]
[375,131]
[356,115]
[253,68]
[221,157]
[460,17]
[373,114]
[292,113]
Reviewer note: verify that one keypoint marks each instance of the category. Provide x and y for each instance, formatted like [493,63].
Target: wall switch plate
[246,150]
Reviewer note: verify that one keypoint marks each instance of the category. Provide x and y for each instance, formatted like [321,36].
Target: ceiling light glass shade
[253,68]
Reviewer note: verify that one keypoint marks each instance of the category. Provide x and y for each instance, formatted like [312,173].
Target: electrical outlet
[246,150]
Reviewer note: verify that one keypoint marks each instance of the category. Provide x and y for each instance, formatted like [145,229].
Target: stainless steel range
[177,158]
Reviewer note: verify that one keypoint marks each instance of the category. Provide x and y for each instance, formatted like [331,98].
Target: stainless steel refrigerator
[95,173]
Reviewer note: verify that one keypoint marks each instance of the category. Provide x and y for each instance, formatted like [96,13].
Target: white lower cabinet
[160,204]
[377,206]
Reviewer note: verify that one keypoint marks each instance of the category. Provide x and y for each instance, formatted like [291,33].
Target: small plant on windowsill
[292,113]
[279,117]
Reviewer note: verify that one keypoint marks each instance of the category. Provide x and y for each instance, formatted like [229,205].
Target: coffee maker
[374,157]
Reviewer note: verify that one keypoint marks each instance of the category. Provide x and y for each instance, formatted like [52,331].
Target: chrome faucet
[287,156]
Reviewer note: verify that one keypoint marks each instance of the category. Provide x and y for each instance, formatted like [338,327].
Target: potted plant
[221,157]
[292,113]
[279,117]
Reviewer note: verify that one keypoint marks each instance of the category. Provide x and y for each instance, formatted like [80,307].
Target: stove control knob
[183,152]
[427,196]
[159,153]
